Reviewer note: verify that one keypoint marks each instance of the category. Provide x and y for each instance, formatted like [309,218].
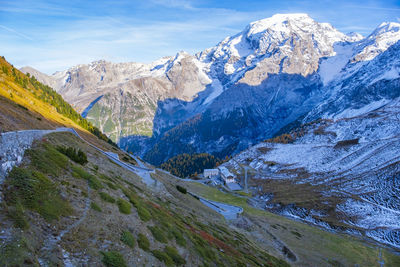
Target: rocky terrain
[348,167]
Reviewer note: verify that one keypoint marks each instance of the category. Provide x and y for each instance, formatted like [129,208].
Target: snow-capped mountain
[277,73]
[346,152]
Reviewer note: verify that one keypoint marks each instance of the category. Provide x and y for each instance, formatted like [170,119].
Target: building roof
[225,172]
[234,186]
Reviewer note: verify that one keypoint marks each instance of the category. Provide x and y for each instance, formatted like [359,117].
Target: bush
[95,207]
[162,256]
[106,197]
[111,186]
[77,156]
[128,239]
[143,242]
[124,206]
[158,234]
[113,259]
[345,143]
[94,183]
[180,240]
[17,214]
[143,213]
[181,189]
[174,255]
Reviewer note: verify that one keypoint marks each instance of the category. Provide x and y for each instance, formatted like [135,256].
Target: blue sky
[55,35]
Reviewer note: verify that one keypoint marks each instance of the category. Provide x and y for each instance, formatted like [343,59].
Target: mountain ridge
[258,58]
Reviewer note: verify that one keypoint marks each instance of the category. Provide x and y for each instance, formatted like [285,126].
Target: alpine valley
[306,117]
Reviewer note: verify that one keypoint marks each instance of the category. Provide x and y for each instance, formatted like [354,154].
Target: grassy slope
[121,204]
[22,109]
[312,245]
[27,97]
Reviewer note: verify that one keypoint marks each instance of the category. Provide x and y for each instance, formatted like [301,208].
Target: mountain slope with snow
[279,71]
[353,165]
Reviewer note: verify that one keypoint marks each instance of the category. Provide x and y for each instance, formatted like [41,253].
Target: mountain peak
[386,28]
[389,26]
[278,22]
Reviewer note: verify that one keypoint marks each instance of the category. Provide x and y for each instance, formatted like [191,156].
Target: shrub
[162,256]
[94,183]
[143,213]
[264,149]
[124,206]
[76,155]
[111,186]
[128,239]
[95,207]
[143,242]
[158,234]
[181,189]
[345,143]
[17,214]
[106,197]
[113,259]
[174,255]
[180,240]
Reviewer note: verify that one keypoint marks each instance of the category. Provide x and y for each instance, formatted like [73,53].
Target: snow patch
[217,90]
[331,67]
[349,113]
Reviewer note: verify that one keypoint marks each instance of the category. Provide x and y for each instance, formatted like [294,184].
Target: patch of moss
[111,185]
[143,213]
[174,255]
[106,197]
[16,252]
[177,234]
[158,234]
[94,183]
[128,239]
[162,256]
[113,259]
[95,207]
[124,206]
[203,249]
[143,242]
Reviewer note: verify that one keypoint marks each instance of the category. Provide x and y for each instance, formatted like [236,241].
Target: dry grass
[14,117]
[346,143]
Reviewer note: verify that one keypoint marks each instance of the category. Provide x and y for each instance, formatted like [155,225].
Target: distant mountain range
[278,73]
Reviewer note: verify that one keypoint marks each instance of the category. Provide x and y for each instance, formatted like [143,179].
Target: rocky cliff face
[243,90]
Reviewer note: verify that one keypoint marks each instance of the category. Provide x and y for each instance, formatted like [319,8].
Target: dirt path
[52,242]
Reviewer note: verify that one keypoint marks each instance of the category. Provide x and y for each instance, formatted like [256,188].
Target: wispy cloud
[16,33]
[62,34]
[185,4]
